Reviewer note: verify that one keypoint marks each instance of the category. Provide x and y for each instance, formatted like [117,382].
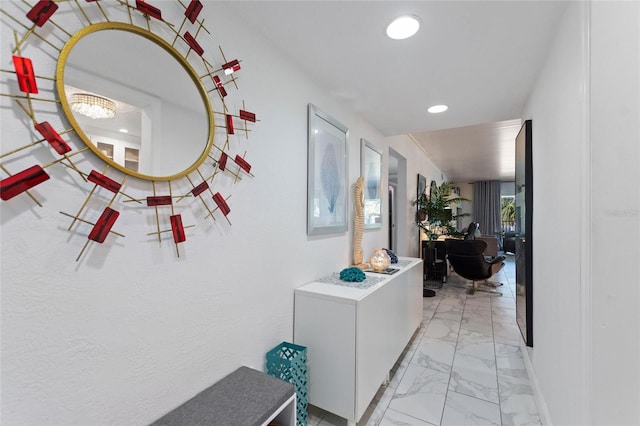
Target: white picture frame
[327,172]
[371,171]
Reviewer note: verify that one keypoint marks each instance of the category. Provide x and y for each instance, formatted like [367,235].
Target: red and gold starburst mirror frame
[102,75]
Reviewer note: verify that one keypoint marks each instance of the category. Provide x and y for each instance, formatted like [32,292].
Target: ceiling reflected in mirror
[117,99]
[114,136]
[92,106]
[125,116]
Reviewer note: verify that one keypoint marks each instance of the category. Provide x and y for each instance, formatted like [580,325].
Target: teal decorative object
[352,274]
[288,362]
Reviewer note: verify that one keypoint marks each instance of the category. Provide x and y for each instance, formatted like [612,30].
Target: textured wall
[615,211]
[131,331]
[585,116]
[555,110]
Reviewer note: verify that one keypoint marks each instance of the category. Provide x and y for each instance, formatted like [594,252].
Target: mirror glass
[371,170]
[136,105]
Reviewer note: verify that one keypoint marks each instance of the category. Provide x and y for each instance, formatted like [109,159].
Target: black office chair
[509,242]
[470,234]
[467,259]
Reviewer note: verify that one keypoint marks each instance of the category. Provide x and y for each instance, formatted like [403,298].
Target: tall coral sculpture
[358,225]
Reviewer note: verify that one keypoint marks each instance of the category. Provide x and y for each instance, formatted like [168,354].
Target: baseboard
[533,380]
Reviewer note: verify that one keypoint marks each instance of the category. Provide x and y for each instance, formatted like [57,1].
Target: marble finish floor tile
[508,334]
[331,419]
[396,418]
[436,354]
[453,298]
[477,318]
[421,394]
[479,299]
[314,415]
[471,324]
[443,329]
[449,311]
[474,376]
[476,343]
[517,402]
[509,362]
[463,410]
[504,304]
[428,313]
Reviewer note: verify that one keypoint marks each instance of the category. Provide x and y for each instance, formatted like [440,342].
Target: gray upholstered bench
[245,397]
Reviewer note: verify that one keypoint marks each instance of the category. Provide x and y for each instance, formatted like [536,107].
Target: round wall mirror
[135,101]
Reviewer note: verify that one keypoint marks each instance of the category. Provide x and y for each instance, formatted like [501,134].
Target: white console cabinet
[355,336]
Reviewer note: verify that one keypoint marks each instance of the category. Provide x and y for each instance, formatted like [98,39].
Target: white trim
[417,144]
[586,326]
[543,411]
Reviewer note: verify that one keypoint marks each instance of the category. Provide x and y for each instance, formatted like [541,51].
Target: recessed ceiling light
[437,108]
[124,131]
[403,27]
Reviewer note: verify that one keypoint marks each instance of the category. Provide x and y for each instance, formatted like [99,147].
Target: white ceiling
[478,57]
[476,152]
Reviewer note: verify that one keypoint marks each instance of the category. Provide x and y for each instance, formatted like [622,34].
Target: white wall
[585,277]
[131,331]
[615,212]
[555,109]
[417,162]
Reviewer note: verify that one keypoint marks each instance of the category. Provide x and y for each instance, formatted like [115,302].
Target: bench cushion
[244,397]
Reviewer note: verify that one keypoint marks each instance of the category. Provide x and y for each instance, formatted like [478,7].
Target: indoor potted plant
[422,206]
[435,211]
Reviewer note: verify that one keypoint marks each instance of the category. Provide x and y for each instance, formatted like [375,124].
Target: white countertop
[352,294]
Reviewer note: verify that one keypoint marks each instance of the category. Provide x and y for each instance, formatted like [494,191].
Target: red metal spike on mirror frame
[29,178]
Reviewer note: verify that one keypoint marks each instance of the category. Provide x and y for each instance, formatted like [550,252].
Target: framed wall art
[371,170]
[524,234]
[327,191]
[421,186]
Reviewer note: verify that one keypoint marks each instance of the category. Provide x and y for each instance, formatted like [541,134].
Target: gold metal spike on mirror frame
[181,38]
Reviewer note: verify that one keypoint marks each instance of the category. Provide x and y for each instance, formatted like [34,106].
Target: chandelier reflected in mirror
[93,106]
